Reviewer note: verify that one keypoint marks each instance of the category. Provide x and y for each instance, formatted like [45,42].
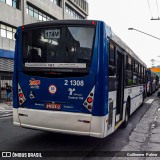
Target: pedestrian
[8,93]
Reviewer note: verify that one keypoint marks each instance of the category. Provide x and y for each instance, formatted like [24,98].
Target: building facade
[14,13]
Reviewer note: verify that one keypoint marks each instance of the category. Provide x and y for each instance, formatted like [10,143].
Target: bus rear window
[57,47]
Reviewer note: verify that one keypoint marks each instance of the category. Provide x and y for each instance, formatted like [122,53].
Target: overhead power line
[144,33]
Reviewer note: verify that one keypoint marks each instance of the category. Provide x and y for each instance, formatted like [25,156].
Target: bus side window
[144,76]
[112,71]
[135,79]
[139,73]
[111,54]
[111,68]
[112,83]
[129,80]
[135,72]
[111,61]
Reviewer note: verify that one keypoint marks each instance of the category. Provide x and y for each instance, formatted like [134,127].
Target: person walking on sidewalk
[8,93]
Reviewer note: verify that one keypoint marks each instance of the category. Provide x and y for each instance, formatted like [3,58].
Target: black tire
[144,96]
[125,123]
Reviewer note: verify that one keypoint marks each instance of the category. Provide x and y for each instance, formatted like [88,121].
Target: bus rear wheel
[125,123]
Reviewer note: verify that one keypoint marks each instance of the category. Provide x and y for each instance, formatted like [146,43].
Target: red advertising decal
[34,82]
[53,106]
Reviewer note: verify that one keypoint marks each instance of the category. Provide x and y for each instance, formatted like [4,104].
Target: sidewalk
[6,109]
[146,135]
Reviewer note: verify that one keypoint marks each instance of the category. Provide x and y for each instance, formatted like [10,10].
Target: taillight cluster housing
[88,103]
[21,96]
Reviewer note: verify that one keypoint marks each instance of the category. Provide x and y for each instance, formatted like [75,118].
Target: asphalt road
[13,138]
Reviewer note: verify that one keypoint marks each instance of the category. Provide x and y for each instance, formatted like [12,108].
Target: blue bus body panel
[70,102]
[16,67]
[101,93]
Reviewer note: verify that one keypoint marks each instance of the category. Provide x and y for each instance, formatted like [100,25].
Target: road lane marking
[6,115]
[2,109]
[150,101]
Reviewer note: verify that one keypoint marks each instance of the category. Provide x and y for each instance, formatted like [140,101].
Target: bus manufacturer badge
[52,89]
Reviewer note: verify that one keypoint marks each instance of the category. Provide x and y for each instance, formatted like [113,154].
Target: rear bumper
[57,121]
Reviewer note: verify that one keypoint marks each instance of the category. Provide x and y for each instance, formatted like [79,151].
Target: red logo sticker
[34,82]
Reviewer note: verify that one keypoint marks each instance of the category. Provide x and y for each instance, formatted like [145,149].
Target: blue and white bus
[152,80]
[75,77]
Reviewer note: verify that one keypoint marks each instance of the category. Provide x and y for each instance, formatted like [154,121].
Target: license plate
[53,106]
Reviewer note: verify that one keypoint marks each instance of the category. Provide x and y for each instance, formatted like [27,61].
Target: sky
[123,14]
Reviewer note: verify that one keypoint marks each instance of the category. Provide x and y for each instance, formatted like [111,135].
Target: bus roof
[59,22]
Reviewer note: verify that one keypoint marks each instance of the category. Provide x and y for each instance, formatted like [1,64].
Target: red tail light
[21,95]
[89,107]
[93,23]
[22,98]
[89,100]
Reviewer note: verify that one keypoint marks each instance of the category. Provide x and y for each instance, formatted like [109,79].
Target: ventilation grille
[110,118]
